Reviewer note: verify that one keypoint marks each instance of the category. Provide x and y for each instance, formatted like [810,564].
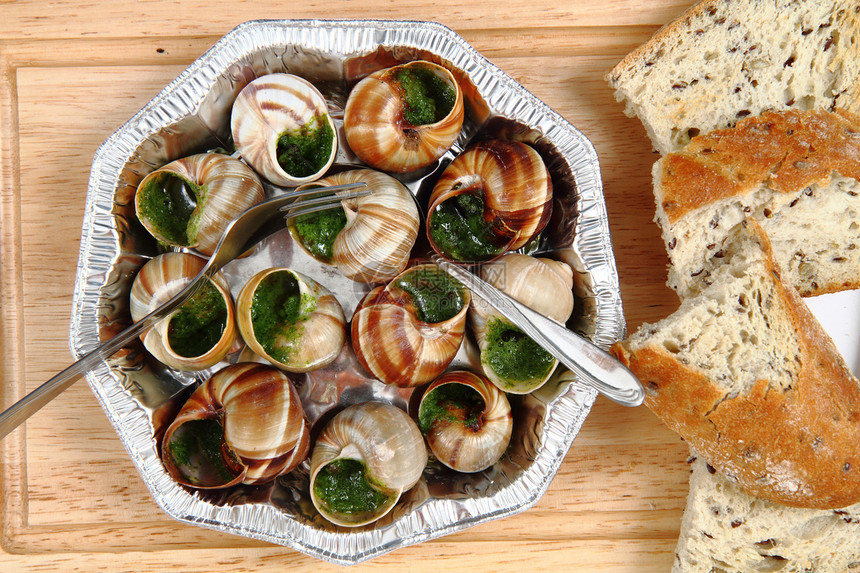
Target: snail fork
[239,236]
[593,366]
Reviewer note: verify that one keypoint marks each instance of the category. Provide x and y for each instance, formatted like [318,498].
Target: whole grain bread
[744,372]
[720,62]
[724,60]
[796,172]
[726,530]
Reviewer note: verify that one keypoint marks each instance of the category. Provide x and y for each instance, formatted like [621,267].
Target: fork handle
[18,412]
[593,365]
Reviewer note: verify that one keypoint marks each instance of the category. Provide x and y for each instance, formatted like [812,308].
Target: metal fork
[593,365]
[239,236]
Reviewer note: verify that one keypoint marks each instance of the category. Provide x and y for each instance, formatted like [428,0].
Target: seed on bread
[723,61]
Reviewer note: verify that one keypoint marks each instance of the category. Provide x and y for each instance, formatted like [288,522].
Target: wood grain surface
[72,72]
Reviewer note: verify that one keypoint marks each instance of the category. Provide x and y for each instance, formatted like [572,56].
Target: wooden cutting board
[72,72]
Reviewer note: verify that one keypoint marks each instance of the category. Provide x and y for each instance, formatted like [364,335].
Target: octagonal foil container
[192,114]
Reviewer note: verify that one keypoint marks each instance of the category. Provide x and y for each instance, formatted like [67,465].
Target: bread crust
[724,59]
[666,32]
[788,151]
[799,447]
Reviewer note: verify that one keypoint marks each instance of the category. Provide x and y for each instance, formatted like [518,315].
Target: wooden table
[72,72]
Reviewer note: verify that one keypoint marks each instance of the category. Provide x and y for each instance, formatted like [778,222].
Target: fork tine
[254,224]
[319,190]
[320,203]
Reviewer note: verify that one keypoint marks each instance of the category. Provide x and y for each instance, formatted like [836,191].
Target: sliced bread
[796,172]
[726,530]
[723,60]
[744,372]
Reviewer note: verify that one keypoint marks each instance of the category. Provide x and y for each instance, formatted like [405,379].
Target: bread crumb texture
[726,530]
[744,372]
[796,172]
[724,60]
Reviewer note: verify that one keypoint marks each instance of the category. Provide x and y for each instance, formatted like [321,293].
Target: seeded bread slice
[744,372]
[724,60]
[726,530]
[796,172]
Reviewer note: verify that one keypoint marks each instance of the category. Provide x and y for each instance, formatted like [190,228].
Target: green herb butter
[168,202]
[317,231]
[199,323]
[514,356]
[278,311]
[453,403]
[343,487]
[437,297]
[196,451]
[460,231]
[305,151]
[427,98]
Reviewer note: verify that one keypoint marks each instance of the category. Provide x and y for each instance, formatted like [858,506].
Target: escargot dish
[509,358]
[407,332]
[494,197]
[290,320]
[245,424]
[403,118]
[189,202]
[467,421]
[202,331]
[369,238]
[282,128]
[363,460]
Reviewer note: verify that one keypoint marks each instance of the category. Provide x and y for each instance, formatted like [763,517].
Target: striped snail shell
[403,118]
[467,421]
[511,360]
[407,332]
[290,320]
[494,197]
[363,460]
[282,128]
[245,424]
[189,202]
[202,331]
[371,240]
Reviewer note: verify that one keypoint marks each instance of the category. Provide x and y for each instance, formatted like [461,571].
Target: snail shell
[249,420]
[189,202]
[380,229]
[392,340]
[157,282]
[475,425]
[377,120]
[386,443]
[503,188]
[543,285]
[307,331]
[272,106]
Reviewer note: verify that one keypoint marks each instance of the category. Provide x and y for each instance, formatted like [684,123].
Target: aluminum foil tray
[191,114]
